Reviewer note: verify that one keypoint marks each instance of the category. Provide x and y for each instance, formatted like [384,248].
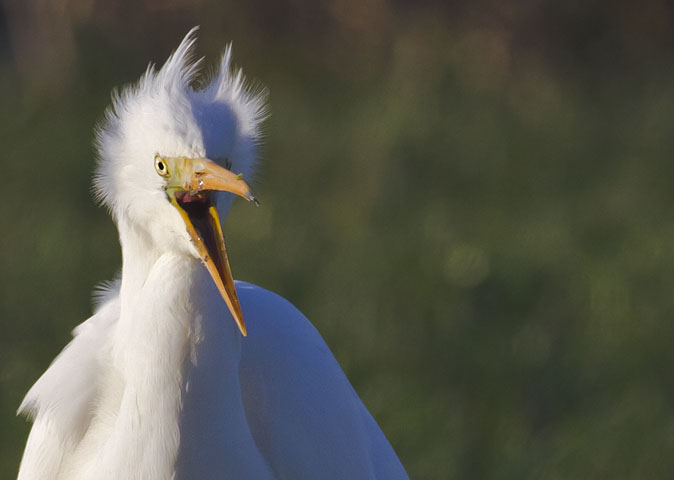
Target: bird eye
[160,166]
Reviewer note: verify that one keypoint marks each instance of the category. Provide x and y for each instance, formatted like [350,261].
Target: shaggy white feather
[158,384]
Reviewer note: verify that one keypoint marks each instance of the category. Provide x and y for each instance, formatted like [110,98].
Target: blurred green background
[471,201]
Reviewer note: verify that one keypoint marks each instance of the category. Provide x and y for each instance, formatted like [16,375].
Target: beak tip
[251,198]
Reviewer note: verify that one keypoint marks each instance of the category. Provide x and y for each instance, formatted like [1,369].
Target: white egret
[160,383]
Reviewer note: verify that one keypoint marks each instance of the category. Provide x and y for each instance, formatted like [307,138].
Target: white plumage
[159,383]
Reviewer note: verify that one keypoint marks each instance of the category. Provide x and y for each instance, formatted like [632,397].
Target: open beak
[190,181]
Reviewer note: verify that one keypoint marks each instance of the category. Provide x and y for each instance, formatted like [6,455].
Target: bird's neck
[164,299]
[157,315]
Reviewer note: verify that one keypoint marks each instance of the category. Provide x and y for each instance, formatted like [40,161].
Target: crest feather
[165,112]
[180,69]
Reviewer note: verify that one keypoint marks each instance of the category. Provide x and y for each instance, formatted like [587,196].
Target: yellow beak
[189,182]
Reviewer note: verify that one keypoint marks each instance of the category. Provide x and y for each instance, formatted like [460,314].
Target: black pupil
[161,166]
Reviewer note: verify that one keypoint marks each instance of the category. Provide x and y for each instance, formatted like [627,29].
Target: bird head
[172,157]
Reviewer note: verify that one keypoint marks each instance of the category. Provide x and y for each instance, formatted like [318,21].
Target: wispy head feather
[163,113]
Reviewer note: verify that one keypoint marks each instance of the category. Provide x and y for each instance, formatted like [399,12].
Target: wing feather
[306,418]
[60,402]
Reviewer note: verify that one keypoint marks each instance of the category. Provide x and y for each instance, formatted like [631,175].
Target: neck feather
[138,416]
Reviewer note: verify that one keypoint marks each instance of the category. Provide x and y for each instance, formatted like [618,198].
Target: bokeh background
[473,202]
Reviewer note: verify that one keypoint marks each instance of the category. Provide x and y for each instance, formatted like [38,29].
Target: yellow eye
[160,166]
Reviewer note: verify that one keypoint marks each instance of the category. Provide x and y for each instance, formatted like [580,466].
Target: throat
[173,333]
[150,350]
